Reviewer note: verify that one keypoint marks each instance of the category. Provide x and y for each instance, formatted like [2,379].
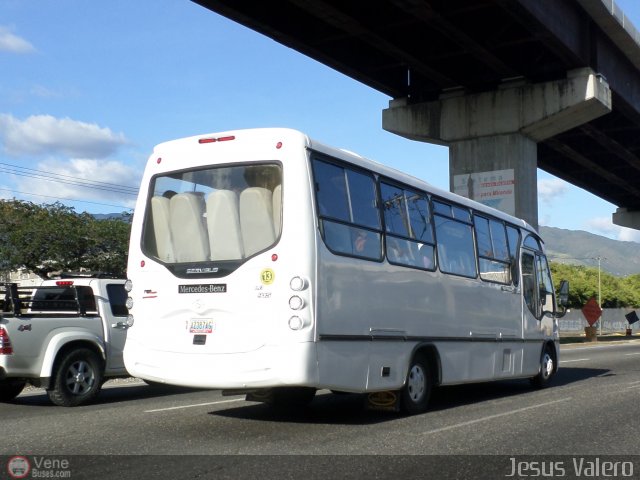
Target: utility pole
[599,258]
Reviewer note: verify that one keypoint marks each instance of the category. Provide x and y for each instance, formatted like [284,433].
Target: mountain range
[578,247]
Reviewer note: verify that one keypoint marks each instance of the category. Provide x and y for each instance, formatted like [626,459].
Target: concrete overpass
[508,85]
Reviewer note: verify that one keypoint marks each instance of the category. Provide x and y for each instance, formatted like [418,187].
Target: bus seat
[161,214]
[277,210]
[256,219]
[187,228]
[223,225]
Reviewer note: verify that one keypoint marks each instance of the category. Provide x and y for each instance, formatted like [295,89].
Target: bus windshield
[213,214]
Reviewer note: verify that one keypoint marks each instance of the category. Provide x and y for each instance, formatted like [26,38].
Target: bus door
[537,297]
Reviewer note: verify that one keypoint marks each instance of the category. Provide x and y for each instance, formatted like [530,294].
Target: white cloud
[84,179]
[602,226]
[605,226]
[45,134]
[550,189]
[629,234]
[12,43]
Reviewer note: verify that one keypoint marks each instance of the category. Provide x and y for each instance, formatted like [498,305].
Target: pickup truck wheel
[77,379]
[10,389]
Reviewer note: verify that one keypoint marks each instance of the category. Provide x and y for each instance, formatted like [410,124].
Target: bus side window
[365,243]
[544,282]
[496,262]
[537,285]
[529,290]
[407,227]
[347,209]
[456,252]
[337,237]
[513,236]
[331,191]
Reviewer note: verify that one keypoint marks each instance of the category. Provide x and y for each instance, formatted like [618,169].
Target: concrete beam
[493,135]
[538,111]
[626,218]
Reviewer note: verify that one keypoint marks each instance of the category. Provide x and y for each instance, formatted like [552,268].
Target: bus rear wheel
[414,397]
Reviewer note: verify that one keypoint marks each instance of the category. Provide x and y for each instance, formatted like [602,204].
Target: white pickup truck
[66,336]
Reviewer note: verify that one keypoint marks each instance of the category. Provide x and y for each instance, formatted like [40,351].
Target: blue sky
[88,88]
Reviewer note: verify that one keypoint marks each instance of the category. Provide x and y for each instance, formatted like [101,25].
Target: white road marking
[576,360]
[498,415]
[194,405]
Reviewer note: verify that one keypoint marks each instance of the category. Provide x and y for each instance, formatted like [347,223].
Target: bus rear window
[213,214]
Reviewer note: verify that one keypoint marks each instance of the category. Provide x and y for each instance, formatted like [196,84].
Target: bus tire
[414,396]
[547,368]
[77,378]
[10,389]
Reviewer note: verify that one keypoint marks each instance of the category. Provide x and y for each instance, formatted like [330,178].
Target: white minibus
[262,261]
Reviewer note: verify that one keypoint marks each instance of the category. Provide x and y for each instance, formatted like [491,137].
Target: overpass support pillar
[493,135]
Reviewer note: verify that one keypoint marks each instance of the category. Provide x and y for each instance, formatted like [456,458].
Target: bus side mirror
[563,298]
[563,293]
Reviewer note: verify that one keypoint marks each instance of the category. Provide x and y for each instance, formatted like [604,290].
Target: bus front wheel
[417,388]
[547,368]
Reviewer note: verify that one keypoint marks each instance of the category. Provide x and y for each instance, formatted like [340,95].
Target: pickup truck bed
[66,336]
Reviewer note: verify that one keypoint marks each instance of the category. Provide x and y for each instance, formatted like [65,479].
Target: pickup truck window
[117,298]
[59,299]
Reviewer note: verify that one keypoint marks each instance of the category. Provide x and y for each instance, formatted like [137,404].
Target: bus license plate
[201,326]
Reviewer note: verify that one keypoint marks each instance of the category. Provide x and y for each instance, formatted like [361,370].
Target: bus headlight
[296,323]
[130,320]
[296,303]
[128,285]
[129,303]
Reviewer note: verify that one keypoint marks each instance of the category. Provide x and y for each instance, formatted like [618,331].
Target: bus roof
[351,157]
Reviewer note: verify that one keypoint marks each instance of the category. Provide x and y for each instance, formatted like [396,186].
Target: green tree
[109,245]
[50,238]
[615,292]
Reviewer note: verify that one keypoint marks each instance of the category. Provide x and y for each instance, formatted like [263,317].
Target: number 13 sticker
[267,276]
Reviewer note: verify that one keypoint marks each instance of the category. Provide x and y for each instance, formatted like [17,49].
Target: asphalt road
[137,431]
